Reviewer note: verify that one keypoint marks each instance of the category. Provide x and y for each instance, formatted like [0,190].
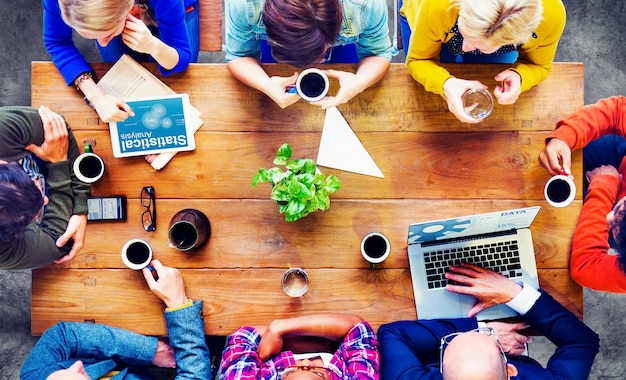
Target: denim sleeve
[241,40]
[374,39]
[66,342]
[185,328]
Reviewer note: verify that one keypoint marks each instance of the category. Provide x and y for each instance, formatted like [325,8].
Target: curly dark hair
[20,201]
[300,31]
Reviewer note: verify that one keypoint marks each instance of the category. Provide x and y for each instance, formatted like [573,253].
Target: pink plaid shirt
[356,358]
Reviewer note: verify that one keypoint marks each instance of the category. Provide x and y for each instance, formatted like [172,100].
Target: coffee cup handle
[88,148]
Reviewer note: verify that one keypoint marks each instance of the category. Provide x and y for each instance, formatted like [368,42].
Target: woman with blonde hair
[524,32]
[161,31]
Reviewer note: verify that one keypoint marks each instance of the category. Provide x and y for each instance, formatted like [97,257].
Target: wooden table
[434,167]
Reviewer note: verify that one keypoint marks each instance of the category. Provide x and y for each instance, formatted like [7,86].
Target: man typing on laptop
[464,348]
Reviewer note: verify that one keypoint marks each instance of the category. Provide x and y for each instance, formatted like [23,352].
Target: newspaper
[127,79]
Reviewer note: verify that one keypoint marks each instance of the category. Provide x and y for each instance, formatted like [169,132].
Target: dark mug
[88,167]
[312,84]
[189,229]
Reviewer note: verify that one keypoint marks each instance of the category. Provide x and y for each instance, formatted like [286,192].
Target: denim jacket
[103,348]
[364,24]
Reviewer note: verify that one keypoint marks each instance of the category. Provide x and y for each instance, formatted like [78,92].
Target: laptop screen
[453,228]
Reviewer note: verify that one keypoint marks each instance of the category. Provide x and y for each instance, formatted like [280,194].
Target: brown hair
[300,31]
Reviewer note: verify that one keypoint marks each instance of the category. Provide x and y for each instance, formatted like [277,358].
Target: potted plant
[298,186]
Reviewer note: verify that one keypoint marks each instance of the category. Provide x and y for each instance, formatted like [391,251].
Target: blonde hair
[94,15]
[499,22]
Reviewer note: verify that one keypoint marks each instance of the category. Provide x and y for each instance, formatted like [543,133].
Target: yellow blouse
[431,21]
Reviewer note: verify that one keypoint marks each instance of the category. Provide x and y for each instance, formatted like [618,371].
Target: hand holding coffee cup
[375,248]
[136,254]
[88,167]
[560,190]
[312,84]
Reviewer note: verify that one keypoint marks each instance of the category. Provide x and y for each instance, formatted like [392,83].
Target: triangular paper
[340,148]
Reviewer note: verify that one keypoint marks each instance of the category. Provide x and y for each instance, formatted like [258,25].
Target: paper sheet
[340,148]
[127,79]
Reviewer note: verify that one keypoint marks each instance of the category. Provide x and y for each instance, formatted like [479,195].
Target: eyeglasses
[321,372]
[148,218]
[482,330]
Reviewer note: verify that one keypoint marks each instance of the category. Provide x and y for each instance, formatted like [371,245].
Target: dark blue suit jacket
[410,349]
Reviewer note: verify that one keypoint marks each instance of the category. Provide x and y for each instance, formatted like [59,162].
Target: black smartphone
[106,208]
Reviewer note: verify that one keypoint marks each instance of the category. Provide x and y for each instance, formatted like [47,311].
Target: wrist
[87,75]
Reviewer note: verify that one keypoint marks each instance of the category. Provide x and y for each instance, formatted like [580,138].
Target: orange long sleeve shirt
[591,265]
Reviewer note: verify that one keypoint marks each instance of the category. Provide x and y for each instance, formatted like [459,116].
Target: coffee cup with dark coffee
[375,248]
[189,229]
[136,254]
[560,191]
[88,167]
[312,84]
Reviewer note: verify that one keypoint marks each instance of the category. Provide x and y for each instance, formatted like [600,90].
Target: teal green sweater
[36,246]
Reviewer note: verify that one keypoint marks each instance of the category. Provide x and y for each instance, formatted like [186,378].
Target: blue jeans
[116,47]
[446,56]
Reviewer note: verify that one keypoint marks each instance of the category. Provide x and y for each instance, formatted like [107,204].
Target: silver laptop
[500,241]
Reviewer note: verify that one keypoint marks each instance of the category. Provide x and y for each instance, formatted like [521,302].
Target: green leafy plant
[297,186]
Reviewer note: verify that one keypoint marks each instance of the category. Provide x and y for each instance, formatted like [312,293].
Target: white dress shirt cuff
[525,299]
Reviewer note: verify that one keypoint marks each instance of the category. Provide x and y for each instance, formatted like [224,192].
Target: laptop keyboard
[501,257]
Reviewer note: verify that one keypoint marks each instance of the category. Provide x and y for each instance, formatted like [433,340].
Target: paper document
[340,148]
[127,79]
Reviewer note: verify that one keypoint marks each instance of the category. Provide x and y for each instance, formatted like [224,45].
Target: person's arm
[243,53]
[173,53]
[59,43]
[590,264]
[359,353]
[410,349]
[607,116]
[138,37]
[430,25]
[184,320]
[328,326]
[250,72]
[577,345]
[66,342]
[370,70]
[77,223]
[240,359]
[536,56]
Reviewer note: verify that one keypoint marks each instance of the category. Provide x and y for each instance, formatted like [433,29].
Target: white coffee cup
[136,254]
[312,84]
[88,167]
[375,248]
[559,191]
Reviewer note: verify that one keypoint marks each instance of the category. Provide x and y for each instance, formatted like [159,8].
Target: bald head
[473,355]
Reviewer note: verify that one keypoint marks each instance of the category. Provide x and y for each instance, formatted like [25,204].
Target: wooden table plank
[252,234]
[379,296]
[397,103]
[415,165]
